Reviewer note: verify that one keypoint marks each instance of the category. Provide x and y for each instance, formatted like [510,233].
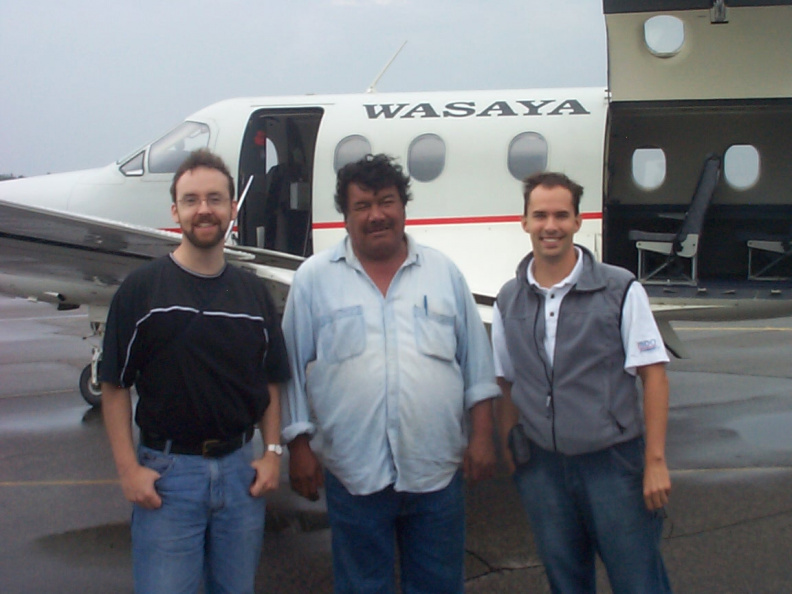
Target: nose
[551,223]
[376,212]
[203,205]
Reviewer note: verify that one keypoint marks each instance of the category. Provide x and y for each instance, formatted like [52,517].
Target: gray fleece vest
[585,401]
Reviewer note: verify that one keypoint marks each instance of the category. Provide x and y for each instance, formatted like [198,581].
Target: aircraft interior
[277,152]
[655,156]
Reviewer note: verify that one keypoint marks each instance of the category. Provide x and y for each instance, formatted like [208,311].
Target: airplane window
[527,155]
[426,157]
[741,166]
[272,155]
[350,149]
[167,153]
[664,35]
[648,168]
[133,166]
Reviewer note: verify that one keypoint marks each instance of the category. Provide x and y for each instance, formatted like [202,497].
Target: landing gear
[90,388]
[91,391]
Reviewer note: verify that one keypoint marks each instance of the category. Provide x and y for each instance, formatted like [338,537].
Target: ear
[578,222]
[524,223]
[174,213]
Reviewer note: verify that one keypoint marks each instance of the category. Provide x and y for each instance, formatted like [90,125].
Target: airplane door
[278,153]
[687,79]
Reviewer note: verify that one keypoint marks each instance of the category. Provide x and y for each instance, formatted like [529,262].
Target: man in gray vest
[570,335]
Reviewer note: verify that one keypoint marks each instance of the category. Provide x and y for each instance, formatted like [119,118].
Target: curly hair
[373,172]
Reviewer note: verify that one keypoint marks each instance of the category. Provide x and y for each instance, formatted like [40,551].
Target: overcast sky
[85,82]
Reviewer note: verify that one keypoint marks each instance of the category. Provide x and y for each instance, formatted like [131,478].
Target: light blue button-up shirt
[385,380]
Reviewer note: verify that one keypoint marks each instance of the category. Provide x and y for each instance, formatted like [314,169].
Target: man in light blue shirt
[392,368]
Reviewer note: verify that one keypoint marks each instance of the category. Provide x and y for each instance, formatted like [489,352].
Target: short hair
[551,179]
[373,172]
[202,158]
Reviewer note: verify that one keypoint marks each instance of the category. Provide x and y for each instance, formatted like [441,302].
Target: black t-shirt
[199,350]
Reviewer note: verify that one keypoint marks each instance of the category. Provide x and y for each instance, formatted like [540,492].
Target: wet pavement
[64,523]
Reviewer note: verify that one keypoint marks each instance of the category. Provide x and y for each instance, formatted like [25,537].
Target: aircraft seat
[684,244]
[775,248]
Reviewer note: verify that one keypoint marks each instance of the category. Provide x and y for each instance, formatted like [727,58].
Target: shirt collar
[571,278]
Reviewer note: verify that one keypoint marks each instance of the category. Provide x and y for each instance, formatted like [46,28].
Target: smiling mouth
[378,230]
[206,224]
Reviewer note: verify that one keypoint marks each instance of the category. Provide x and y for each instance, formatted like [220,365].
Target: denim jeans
[582,505]
[209,528]
[429,529]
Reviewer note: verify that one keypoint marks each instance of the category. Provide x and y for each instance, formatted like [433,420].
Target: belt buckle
[207,445]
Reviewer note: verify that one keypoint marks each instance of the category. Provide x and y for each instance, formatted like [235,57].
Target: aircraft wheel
[90,391]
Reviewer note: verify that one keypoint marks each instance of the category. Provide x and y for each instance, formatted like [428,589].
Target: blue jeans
[593,503]
[428,527]
[209,528]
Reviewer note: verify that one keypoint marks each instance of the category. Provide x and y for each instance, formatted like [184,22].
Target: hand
[508,460]
[137,484]
[479,463]
[267,474]
[656,484]
[305,471]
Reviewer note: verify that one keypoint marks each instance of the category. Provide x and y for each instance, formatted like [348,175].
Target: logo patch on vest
[647,345]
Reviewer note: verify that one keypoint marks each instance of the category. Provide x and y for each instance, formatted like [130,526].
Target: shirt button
[552,314]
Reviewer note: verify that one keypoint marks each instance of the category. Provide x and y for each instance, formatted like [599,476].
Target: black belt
[211,448]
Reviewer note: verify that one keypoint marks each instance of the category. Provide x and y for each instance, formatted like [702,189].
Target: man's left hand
[656,484]
[479,463]
[267,474]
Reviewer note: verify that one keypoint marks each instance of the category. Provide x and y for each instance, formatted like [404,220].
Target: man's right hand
[138,486]
[305,472]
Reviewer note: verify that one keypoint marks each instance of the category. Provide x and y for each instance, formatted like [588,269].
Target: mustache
[378,226]
[205,218]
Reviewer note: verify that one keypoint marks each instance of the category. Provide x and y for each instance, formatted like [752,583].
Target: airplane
[684,157]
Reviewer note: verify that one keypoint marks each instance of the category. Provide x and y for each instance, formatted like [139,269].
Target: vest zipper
[551,416]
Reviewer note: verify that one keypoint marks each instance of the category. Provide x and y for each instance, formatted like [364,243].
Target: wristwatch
[275,447]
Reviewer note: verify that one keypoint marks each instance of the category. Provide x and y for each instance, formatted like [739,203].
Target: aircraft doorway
[278,153]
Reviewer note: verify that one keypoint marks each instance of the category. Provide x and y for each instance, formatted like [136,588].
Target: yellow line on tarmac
[731,328]
[34,394]
[61,483]
[732,470]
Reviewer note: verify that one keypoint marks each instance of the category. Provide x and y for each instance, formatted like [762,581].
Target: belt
[211,448]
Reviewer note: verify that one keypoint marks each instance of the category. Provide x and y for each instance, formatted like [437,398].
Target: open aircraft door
[701,103]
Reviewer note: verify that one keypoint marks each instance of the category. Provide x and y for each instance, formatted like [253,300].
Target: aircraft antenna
[373,86]
[239,208]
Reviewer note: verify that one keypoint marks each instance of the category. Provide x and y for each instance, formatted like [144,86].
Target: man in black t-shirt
[201,343]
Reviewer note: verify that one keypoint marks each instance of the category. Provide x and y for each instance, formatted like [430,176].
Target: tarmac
[64,524]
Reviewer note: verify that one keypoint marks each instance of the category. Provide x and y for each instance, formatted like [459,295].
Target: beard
[205,243]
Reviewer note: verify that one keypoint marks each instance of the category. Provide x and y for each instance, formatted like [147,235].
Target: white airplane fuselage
[470,210]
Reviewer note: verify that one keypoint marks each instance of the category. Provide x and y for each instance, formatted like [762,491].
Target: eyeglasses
[214,201]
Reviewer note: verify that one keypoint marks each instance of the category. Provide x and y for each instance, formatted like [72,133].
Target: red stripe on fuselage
[487,220]
[456,220]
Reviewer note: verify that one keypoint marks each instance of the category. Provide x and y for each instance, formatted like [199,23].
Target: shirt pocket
[342,335]
[434,334]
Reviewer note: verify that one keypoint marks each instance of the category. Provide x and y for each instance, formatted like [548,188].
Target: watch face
[274,447]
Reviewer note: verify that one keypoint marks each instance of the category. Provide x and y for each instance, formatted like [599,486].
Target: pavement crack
[491,569]
[744,522]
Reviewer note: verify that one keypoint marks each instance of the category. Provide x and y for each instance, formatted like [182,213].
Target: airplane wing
[70,260]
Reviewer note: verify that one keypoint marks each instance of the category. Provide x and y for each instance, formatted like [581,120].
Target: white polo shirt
[643,343]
